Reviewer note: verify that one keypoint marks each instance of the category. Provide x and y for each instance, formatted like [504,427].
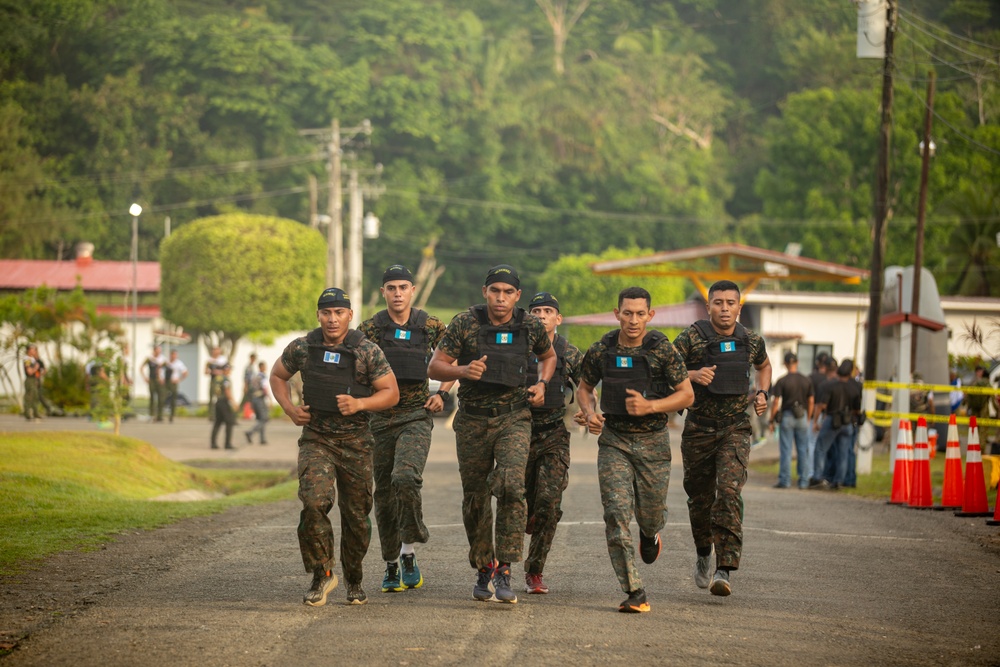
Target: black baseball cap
[333,297]
[543,299]
[397,272]
[503,273]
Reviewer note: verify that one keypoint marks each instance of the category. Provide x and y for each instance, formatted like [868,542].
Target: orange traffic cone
[952,492]
[975,482]
[920,494]
[995,521]
[902,469]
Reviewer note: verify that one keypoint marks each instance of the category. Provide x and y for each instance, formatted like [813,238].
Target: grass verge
[878,484]
[69,490]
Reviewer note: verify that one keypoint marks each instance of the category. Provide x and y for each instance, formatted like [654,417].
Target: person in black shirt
[792,408]
[841,401]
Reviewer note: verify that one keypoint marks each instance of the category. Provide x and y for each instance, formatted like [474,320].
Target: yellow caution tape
[876,384]
[885,398]
[879,415]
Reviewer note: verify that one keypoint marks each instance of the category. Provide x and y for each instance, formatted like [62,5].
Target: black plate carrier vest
[555,390]
[330,371]
[731,357]
[506,349]
[405,347]
[628,371]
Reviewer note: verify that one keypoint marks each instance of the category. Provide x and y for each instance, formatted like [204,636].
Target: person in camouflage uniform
[643,379]
[491,344]
[225,414]
[345,376]
[402,434]
[715,444]
[547,473]
[33,371]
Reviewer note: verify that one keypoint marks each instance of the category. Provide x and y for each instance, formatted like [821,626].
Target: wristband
[762,391]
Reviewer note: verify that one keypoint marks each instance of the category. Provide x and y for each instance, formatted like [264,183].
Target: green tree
[228,276]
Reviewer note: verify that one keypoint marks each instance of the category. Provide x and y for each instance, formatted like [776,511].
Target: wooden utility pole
[918,258]
[313,202]
[881,198]
[335,230]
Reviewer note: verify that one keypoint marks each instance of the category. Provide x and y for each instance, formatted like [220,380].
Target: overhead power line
[947,63]
[906,15]
[944,121]
[152,175]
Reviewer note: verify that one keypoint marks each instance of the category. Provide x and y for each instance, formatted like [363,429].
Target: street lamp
[135,210]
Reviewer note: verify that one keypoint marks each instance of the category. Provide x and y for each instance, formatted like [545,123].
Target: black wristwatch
[442,393]
[545,382]
[762,391]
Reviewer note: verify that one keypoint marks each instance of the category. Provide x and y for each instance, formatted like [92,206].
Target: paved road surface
[826,580]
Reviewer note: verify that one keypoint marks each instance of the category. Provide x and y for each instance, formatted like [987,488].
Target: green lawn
[879,483]
[66,490]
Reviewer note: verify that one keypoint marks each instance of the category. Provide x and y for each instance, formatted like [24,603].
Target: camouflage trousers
[715,470]
[402,442]
[545,479]
[634,471]
[328,464]
[32,398]
[158,393]
[492,456]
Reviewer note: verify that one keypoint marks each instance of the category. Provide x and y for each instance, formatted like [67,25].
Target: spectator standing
[33,372]
[174,373]
[792,408]
[260,402]
[152,372]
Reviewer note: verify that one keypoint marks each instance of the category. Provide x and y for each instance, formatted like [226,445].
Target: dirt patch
[62,585]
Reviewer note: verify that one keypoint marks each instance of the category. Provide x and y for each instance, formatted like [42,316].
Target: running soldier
[402,434]
[547,474]
[643,379]
[492,343]
[715,445]
[345,376]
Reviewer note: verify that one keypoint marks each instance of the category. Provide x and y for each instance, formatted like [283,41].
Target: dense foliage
[229,276]
[512,131]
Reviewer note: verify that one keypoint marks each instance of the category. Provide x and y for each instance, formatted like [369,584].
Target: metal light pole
[136,211]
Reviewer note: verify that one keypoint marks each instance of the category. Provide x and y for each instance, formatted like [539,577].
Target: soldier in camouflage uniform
[402,434]
[715,445]
[33,371]
[491,344]
[345,376]
[643,378]
[547,474]
[225,414]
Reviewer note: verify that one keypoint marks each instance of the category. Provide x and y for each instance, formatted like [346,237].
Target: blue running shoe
[391,582]
[411,572]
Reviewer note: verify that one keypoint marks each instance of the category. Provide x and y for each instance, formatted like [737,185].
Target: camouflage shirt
[369,365]
[412,395]
[462,338]
[664,362]
[572,367]
[691,346]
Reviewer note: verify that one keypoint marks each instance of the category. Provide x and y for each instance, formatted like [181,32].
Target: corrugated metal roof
[93,276]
